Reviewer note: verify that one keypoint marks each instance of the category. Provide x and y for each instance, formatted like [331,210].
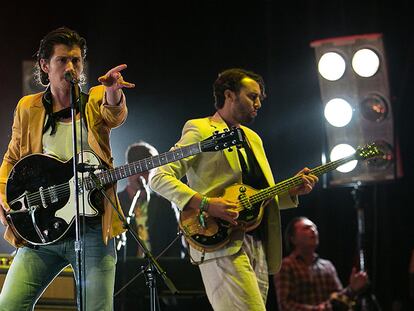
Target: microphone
[83,167]
[70,76]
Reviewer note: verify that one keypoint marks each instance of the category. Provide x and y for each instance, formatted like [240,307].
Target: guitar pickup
[42,197]
[53,194]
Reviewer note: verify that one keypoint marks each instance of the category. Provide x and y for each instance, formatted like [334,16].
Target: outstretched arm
[114,82]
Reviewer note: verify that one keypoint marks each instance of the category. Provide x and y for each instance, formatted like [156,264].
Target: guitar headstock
[226,139]
[368,151]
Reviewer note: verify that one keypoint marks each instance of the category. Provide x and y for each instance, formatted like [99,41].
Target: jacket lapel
[218,124]
[37,112]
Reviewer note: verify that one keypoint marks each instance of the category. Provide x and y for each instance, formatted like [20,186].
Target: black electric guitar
[40,188]
[215,233]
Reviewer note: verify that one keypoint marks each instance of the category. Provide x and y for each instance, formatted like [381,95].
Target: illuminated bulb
[338,112]
[331,66]
[365,63]
[341,151]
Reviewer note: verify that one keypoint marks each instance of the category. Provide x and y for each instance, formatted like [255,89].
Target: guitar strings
[57,191]
[288,184]
[64,190]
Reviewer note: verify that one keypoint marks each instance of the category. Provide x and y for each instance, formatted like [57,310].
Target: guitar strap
[253,176]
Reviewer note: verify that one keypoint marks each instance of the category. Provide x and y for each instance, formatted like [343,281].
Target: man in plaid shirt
[308,282]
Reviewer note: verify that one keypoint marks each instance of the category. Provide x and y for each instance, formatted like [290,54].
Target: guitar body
[217,232]
[40,193]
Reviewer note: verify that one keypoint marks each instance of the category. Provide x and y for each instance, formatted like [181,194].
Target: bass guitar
[212,233]
[40,188]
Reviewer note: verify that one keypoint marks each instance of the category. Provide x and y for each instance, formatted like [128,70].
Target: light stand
[152,266]
[367,300]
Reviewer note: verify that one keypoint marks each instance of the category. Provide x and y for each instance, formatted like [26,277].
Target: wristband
[204,204]
[203,208]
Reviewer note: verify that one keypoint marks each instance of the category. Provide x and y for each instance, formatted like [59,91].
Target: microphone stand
[153,265]
[74,97]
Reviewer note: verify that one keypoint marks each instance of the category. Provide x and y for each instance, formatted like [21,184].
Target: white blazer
[209,173]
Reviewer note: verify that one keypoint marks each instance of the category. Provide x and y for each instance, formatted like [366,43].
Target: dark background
[174,52]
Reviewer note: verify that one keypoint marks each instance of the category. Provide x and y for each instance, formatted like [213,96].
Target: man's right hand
[223,209]
[217,207]
[358,280]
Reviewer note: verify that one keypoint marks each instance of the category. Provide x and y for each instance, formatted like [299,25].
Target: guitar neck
[112,175]
[286,185]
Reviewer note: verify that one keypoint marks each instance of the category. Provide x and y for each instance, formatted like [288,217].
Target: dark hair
[290,232]
[139,151]
[230,79]
[62,35]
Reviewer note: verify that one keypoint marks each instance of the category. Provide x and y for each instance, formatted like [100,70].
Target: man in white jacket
[235,276]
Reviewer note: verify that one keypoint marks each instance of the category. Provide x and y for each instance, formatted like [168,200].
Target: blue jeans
[32,270]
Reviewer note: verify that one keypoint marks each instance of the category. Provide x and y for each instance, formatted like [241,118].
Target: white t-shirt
[60,144]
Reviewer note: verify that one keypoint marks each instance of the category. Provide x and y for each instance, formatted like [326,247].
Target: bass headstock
[368,151]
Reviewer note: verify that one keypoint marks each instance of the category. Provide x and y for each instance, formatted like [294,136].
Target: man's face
[306,235]
[247,101]
[64,58]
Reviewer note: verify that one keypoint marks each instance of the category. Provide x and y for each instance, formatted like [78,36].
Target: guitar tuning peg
[215,132]
[230,149]
[226,129]
[238,146]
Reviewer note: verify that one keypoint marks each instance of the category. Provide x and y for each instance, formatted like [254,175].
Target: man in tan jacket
[236,275]
[42,124]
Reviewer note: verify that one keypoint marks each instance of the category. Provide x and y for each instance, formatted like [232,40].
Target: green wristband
[203,208]
[204,204]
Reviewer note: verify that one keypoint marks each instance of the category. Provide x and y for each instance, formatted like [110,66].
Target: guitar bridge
[53,194]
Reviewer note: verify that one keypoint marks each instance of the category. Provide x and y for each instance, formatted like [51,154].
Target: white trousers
[239,281]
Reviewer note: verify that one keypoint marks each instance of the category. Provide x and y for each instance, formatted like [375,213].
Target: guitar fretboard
[286,185]
[124,171]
